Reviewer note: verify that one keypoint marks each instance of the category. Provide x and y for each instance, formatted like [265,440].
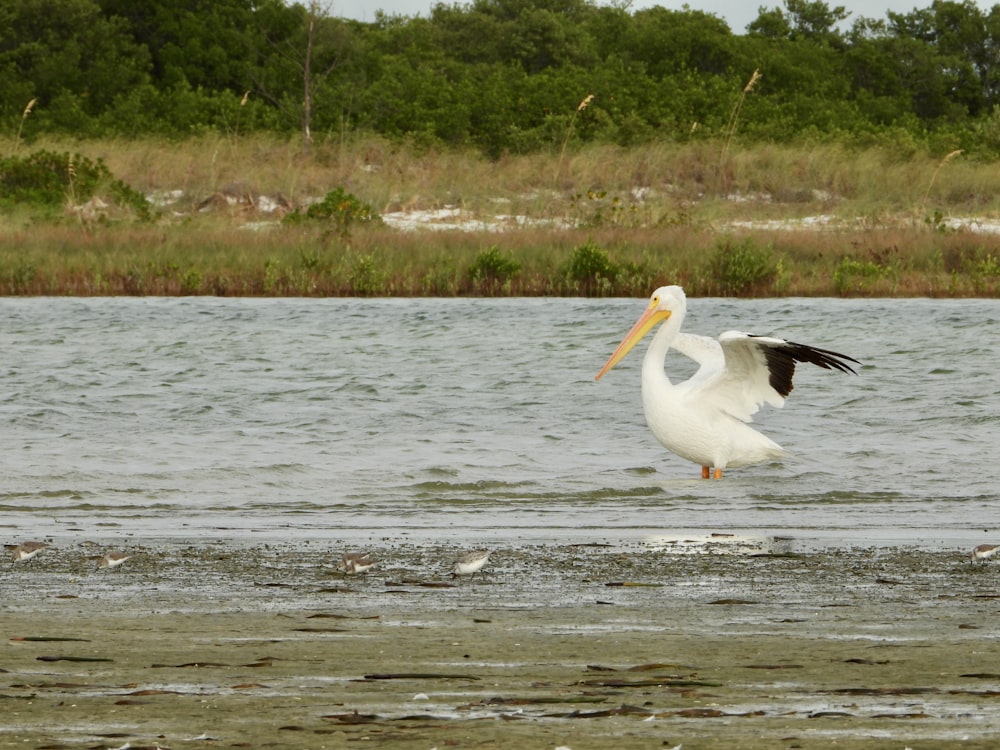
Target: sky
[737,13]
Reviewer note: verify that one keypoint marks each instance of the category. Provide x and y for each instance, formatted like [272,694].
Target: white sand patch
[451,218]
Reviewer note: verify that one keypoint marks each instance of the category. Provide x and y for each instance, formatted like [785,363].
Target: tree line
[503,76]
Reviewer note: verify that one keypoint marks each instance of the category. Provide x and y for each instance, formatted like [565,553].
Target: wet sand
[234,644]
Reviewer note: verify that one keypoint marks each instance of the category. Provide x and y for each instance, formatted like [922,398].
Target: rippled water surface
[479,419]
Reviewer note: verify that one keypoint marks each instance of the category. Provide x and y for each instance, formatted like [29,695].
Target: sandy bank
[241,645]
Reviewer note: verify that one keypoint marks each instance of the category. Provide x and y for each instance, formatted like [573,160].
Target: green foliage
[367,277]
[191,282]
[310,258]
[19,276]
[441,279]
[970,258]
[274,276]
[339,209]
[937,221]
[181,111]
[988,266]
[591,270]
[191,44]
[47,180]
[742,267]
[504,76]
[596,209]
[853,276]
[126,195]
[492,268]
[74,58]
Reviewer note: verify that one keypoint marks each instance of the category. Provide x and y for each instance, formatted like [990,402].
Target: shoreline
[575,645]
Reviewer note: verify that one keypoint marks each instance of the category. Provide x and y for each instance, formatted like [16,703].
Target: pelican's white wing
[702,418]
[704,350]
[745,383]
[758,370]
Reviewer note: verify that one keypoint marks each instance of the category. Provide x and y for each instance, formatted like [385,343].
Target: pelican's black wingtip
[781,359]
[828,360]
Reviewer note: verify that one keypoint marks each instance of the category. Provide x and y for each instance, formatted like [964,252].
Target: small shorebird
[985,551]
[25,550]
[353,563]
[112,560]
[470,563]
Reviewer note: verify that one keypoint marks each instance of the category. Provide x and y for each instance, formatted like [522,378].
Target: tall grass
[945,160]
[20,125]
[655,216]
[828,178]
[569,131]
[904,261]
[734,117]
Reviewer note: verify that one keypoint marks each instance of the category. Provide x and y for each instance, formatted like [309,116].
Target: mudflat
[623,645]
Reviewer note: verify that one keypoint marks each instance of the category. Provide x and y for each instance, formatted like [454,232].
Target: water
[478,420]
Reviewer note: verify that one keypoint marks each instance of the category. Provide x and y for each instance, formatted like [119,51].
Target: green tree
[537,34]
[804,87]
[815,20]
[65,53]
[504,75]
[198,43]
[668,42]
[771,23]
[958,39]
[802,19]
[312,66]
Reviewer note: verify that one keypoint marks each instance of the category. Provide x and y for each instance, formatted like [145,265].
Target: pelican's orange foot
[718,474]
[704,472]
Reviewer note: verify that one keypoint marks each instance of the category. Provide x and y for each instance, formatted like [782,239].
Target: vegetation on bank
[503,76]
[266,148]
[591,221]
[572,263]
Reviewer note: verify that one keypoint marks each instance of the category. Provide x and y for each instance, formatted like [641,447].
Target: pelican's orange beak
[646,322]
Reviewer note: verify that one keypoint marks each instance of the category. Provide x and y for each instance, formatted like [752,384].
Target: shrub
[341,209]
[853,276]
[441,279]
[46,179]
[595,209]
[591,270]
[125,195]
[367,277]
[310,259]
[19,277]
[191,282]
[988,266]
[493,267]
[741,267]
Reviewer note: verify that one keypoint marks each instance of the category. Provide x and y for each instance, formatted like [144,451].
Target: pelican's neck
[656,354]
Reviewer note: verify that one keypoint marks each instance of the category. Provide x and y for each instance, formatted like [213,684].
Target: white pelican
[704,419]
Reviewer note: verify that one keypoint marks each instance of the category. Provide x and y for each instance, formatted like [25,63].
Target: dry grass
[937,169]
[807,178]
[569,131]
[20,125]
[734,118]
[655,210]
[222,261]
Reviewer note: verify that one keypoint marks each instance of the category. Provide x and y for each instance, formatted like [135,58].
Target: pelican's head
[664,302]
